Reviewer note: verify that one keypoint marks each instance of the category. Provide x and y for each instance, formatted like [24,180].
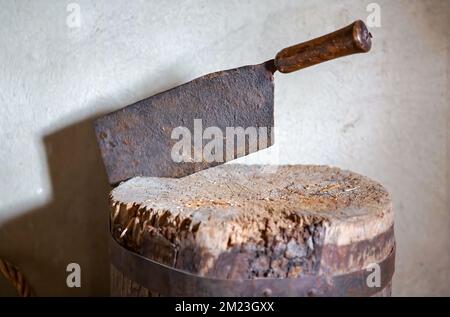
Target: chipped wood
[298,220]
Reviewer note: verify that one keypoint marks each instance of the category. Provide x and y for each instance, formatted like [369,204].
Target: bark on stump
[238,222]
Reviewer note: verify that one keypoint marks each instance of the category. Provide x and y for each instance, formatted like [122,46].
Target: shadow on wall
[73,227]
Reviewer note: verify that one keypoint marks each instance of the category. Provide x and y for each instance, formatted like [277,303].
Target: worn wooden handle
[352,39]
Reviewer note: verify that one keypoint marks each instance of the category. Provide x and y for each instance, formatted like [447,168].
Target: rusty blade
[137,140]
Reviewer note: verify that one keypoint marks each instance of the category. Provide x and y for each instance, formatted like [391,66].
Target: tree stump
[251,230]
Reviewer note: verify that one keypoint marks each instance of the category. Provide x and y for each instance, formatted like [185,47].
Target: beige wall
[384,114]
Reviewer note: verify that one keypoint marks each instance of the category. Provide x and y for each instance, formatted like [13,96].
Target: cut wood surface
[250,221]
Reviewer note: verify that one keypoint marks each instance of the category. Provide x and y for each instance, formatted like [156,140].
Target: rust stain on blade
[136,140]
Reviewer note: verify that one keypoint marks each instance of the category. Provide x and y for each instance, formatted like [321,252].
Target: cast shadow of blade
[73,227]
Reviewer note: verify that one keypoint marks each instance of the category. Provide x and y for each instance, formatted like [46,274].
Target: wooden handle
[352,39]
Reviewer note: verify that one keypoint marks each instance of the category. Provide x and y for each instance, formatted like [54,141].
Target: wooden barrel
[240,230]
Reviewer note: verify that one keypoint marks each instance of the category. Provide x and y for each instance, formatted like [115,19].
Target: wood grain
[352,39]
[238,221]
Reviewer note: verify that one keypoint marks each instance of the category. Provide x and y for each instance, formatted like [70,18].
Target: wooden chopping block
[241,230]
